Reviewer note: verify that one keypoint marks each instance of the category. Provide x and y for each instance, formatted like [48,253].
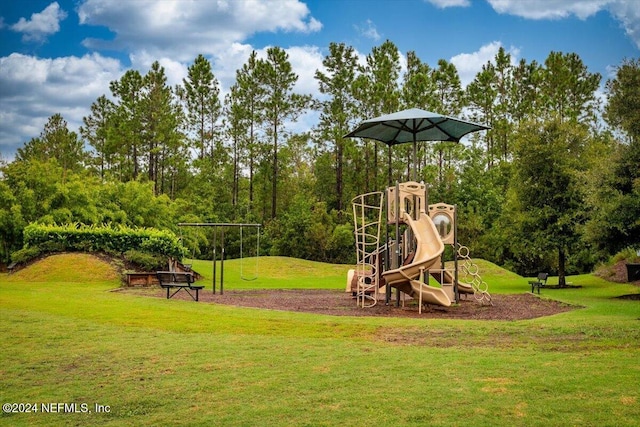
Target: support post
[215,226]
[456,292]
[387,251]
[215,257]
[222,264]
[398,254]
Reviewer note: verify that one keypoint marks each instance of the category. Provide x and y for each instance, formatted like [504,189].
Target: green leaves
[201,97]
[56,142]
[549,194]
[110,239]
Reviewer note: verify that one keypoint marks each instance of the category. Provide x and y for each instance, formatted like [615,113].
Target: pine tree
[377,90]
[201,96]
[160,121]
[127,124]
[95,130]
[449,101]
[237,123]
[58,142]
[249,96]
[418,91]
[279,105]
[569,89]
[338,111]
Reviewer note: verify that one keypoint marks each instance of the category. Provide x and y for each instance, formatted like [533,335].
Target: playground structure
[220,227]
[415,255]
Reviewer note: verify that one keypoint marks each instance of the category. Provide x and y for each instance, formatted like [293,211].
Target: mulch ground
[339,303]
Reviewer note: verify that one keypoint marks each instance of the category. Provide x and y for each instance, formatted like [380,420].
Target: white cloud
[548,9]
[314,25]
[469,64]
[227,61]
[450,3]
[627,12]
[368,29]
[41,24]
[34,89]
[305,61]
[182,30]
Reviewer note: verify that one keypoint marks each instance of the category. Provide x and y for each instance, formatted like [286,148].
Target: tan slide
[428,251]
[447,278]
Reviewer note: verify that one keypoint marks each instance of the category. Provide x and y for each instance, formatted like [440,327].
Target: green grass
[67,337]
[275,273]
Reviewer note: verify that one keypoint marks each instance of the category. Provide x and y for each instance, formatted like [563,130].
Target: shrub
[25,254]
[105,238]
[628,255]
[146,261]
[41,238]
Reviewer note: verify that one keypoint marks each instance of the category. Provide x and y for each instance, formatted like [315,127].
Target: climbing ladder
[367,219]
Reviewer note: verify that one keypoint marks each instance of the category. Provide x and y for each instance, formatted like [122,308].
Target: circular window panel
[443,224]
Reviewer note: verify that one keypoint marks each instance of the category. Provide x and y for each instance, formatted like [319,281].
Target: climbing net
[470,275]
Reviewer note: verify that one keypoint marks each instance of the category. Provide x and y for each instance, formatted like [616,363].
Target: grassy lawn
[68,338]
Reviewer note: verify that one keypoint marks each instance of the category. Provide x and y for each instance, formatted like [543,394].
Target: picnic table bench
[540,282]
[178,280]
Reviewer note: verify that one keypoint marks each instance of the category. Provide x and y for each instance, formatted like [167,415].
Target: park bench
[540,282]
[170,280]
[11,267]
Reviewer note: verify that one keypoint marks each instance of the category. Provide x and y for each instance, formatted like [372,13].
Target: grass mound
[67,267]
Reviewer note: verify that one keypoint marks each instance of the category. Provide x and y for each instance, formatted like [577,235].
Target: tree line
[552,185]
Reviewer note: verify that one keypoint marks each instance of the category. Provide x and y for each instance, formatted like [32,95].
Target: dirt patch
[339,303]
[632,297]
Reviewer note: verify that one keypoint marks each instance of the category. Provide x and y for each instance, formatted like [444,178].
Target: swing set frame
[222,226]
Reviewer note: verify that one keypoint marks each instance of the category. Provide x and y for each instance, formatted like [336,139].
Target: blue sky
[59,56]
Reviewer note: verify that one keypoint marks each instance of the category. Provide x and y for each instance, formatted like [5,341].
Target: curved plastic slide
[428,251]
[465,288]
[447,278]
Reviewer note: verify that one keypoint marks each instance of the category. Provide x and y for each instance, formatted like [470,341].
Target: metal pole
[216,224]
[387,251]
[415,156]
[222,264]
[398,255]
[456,292]
[215,256]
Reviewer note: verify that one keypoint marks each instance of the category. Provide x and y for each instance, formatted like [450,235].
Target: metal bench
[170,280]
[540,282]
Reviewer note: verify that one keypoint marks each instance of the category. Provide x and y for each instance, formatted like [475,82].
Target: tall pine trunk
[251,159]
[274,185]
[339,161]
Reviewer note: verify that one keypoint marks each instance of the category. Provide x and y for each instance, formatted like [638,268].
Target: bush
[103,239]
[143,246]
[342,245]
[628,255]
[146,261]
[25,254]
